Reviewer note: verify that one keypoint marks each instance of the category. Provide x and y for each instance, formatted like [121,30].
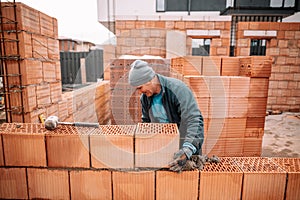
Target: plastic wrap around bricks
[111,146]
[155,144]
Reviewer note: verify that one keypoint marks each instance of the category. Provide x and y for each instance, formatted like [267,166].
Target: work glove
[179,159]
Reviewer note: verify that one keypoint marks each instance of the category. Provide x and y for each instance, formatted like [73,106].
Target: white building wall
[111,10]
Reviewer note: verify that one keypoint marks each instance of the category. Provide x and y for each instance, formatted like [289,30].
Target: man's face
[147,89]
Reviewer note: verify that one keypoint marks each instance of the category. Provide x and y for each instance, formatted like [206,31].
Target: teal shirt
[158,110]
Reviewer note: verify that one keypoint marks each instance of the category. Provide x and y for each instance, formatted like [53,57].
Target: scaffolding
[9,26]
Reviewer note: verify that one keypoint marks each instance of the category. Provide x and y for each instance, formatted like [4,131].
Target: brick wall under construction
[148,37]
[105,163]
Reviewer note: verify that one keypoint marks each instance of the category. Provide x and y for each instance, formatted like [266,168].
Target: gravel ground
[282,135]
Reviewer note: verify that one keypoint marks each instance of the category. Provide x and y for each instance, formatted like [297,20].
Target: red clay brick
[292,167]
[230,66]
[1,152]
[67,146]
[221,181]
[239,86]
[212,146]
[257,106]
[155,144]
[238,107]
[235,127]
[259,87]
[24,144]
[263,179]
[134,185]
[252,146]
[13,183]
[112,146]
[48,184]
[170,185]
[91,185]
[211,65]
[218,87]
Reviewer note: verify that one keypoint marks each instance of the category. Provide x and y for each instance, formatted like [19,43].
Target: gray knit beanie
[140,73]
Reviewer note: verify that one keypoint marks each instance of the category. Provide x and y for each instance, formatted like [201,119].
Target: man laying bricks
[169,100]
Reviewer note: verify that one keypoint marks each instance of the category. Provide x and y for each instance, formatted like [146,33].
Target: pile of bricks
[34,45]
[125,100]
[74,162]
[231,93]
[37,50]
[87,104]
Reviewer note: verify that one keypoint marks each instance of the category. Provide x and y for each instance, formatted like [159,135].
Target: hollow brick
[67,146]
[263,179]
[170,185]
[24,145]
[221,180]
[48,184]
[292,167]
[1,152]
[111,146]
[155,144]
[134,185]
[87,184]
[13,183]
[230,66]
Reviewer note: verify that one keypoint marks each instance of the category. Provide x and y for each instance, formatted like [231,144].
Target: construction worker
[169,100]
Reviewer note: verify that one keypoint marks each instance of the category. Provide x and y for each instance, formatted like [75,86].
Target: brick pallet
[231,93]
[31,176]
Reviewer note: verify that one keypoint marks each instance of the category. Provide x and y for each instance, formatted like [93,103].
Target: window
[258,47]
[200,47]
[160,6]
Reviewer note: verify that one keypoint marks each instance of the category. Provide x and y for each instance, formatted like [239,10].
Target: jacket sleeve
[191,119]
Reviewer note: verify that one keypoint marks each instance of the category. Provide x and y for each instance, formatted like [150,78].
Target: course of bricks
[59,165]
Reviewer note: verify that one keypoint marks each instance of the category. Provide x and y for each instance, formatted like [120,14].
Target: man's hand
[179,161]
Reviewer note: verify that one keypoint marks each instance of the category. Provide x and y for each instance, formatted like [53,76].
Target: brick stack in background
[125,101]
[87,104]
[39,61]
[38,171]
[232,96]
[283,47]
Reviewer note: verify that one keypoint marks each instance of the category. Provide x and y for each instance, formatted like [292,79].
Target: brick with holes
[155,144]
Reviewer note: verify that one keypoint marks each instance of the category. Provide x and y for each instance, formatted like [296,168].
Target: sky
[77,19]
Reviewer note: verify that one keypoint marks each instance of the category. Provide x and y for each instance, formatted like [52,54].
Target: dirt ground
[282,135]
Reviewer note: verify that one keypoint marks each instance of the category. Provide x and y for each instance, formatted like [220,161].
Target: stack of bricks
[87,104]
[38,53]
[74,162]
[231,93]
[125,100]
[283,47]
